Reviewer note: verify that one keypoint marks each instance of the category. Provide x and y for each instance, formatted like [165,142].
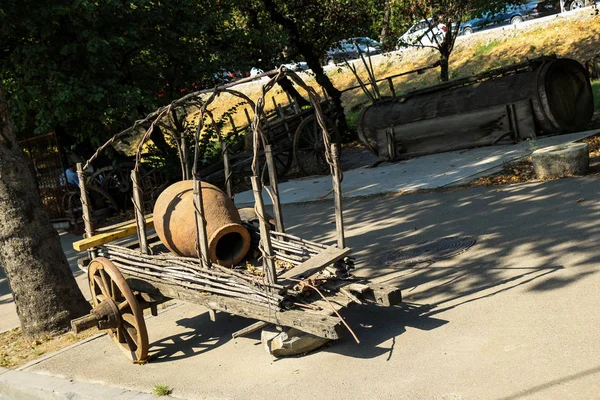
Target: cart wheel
[282,155]
[309,148]
[108,284]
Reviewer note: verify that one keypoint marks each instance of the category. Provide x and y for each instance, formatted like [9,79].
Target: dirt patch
[16,350]
[521,171]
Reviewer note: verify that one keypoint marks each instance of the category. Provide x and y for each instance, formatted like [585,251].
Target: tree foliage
[450,14]
[90,68]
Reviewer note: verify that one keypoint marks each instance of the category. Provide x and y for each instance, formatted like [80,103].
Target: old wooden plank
[85,202]
[138,209]
[107,237]
[525,123]
[319,325]
[384,295]
[275,188]
[249,329]
[314,264]
[110,228]
[201,235]
[476,128]
[265,237]
[337,196]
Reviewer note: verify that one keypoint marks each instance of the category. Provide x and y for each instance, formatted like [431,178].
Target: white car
[296,66]
[256,71]
[421,34]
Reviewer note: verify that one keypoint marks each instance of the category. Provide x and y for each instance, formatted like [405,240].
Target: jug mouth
[229,244]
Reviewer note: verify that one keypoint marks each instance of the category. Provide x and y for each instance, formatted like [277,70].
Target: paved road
[514,317]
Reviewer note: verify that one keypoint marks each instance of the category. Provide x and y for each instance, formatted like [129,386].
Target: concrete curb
[29,386]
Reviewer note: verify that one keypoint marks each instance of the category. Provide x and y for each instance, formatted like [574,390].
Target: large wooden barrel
[539,97]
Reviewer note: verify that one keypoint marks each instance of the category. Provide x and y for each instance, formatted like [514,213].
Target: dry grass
[576,36]
[16,350]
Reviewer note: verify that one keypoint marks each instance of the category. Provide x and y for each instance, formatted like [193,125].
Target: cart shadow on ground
[527,242]
[201,335]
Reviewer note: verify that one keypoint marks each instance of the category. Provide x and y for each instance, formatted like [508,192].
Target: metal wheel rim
[576,5]
[131,335]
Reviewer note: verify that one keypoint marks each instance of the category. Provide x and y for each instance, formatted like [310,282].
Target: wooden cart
[286,281]
[295,136]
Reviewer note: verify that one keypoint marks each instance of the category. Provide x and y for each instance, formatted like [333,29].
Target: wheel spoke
[100,284]
[128,322]
[123,305]
[105,282]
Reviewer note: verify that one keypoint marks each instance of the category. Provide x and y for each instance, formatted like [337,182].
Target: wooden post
[201,236]
[293,103]
[138,208]
[275,188]
[276,106]
[265,236]
[391,143]
[233,127]
[248,116]
[391,85]
[184,157]
[226,168]
[282,116]
[85,208]
[337,196]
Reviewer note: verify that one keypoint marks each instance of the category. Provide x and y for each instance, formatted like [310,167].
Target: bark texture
[384,36]
[43,287]
[313,60]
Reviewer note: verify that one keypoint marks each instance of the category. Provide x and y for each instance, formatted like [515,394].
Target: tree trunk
[314,64]
[313,61]
[384,36]
[444,68]
[43,287]
[289,88]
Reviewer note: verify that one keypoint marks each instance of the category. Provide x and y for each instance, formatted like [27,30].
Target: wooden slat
[314,264]
[107,237]
[316,324]
[114,227]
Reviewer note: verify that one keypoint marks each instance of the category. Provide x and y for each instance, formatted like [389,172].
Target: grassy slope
[576,35]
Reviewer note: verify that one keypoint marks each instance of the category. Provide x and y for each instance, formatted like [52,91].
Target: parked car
[512,15]
[423,33]
[296,66]
[549,7]
[256,71]
[348,49]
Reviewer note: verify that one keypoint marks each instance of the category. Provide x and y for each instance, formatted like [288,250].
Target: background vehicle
[553,6]
[256,71]
[423,33]
[348,49]
[511,15]
[296,66]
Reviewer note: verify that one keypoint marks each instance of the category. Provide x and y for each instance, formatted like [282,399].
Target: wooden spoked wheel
[128,329]
[309,146]
[282,156]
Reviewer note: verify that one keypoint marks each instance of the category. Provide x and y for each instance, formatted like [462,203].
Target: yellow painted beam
[107,237]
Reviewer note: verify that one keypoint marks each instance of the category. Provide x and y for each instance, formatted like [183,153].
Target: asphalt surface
[426,172]
[513,317]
